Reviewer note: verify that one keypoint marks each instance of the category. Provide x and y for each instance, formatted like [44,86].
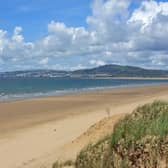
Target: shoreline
[46,129]
[32,96]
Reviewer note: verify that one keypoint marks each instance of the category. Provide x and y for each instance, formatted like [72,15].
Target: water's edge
[14,97]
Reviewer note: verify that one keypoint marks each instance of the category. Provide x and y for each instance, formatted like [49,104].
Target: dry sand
[36,132]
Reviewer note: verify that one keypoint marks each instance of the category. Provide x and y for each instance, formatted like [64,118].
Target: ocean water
[20,88]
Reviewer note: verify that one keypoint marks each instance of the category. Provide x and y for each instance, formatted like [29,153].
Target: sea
[24,88]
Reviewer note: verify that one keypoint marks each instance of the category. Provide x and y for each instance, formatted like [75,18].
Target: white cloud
[97,62]
[151,21]
[2,40]
[44,61]
[17,37]
[114,35]
[109,20]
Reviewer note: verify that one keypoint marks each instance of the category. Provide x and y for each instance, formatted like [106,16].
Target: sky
[77,34]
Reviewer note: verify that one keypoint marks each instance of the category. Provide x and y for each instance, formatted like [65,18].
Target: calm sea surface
[19,88]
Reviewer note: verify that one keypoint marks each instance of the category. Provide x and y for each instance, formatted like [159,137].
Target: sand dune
[34,133]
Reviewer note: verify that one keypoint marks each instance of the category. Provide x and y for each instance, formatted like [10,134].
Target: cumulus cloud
[115,34]
[151,25]
[108,20]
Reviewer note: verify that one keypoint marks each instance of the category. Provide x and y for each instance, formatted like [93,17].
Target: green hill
[122,71]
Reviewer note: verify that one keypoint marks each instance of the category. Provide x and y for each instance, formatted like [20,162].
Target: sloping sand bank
[34,133]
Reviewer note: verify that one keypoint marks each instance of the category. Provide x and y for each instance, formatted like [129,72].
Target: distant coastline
[106,71]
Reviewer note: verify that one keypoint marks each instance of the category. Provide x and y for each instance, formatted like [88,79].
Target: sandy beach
[36,132]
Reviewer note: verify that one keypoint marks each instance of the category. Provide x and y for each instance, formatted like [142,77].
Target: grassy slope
[139,140]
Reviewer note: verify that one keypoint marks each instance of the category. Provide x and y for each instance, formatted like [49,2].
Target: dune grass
[138,140]
[151,119]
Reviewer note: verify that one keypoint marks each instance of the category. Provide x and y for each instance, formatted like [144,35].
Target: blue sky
[72,34]
[34,15]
